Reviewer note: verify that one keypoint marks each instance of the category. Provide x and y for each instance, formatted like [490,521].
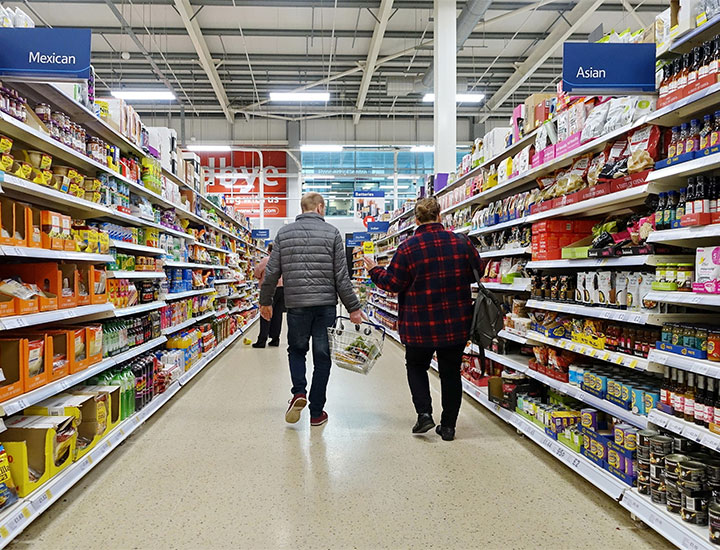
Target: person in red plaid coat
[432,272]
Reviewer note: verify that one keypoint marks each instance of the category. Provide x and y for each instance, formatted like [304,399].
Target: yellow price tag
[618,359]
[701,19]
[26,512]
[368,247]
[89,459]
[633,363]
[606,356]
[4,533]
[48,493]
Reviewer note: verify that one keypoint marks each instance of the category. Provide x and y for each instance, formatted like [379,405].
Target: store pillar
[445,31]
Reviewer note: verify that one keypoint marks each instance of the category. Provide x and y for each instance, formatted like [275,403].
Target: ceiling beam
[582,11]
[383,17]
[185,11]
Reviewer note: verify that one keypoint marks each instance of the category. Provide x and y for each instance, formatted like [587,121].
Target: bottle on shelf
[710,401]
[690,195]
[682,139]
[676,67]
[705,132]
[665,386]
[660,212]
[713,194]
[706,61]
[689,401]
[680,209]
[715,63]
[671,201]
[692,143]
[695,64]
[682,79]
[680,389]
[715,134]
[665,84]
[672,388]
[701,202]
[700,401]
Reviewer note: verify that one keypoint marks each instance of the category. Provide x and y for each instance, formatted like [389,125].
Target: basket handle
[357,326]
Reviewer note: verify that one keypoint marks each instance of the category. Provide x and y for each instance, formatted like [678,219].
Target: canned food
[661,445]
[658,485]
[644,437]
[643,477]
[631,439]
[714,516]
[691,471]
[672,487]
[696,518]
[619,432]
[712,469]
[643,453]
[658,497]
[700,457]
[673,505]
[657,471]
[644,489]
[681,445]
[694,504]
[691,487]
[672,461]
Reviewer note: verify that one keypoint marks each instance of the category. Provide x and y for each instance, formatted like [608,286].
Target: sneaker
[319,420]
[424,423]
[274,343]
[297,404]
[448,434]
[258,345]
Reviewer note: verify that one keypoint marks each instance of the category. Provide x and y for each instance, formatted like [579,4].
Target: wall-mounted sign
[368,194]
[351,243]
[260,233]
[361,236]
[378,227]
[608,69]
[45,53]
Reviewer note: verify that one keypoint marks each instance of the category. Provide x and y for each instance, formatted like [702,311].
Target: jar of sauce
[685,275]
[713,345]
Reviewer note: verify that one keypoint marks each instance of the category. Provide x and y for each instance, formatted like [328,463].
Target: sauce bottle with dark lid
[692,143]
[705,132]
[690,195]
[680,208]
[680,148]
[715,134]
[701,203]
[695,63]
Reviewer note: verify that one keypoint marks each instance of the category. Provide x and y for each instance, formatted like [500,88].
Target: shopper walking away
[432,272]
[310,256]
[273,327]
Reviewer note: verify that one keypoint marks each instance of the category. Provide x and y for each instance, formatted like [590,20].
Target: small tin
[673,505]
[643,453]
[672,487]
[658,485]
[672,461]
[644,489]
[658,497]
[696,518]
[644,437]
[695,504]
[630,439]
[714,518]
[619,433]
[643,465]
[616,460]
[712,469]
[681,445]
[691,471]
[657,471]
[643,477]
[661,445]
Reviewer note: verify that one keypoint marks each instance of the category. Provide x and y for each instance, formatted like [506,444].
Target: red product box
[715,217]
[549,255]
[677,95]
[631,180]
[595,191]
[696,219]
[567,200]
[700,84]
[542,207]
[567,145]
[552,226]
[583,227]
[537,159]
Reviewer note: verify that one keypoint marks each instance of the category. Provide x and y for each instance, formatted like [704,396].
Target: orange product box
[68,282]
[696,219]
[26,358]
[12,356]
[66,227]
[72,343]
[19,225]
[47,277]
[7,221]
[58,346]
[33,225]
[94,342]
[51,230]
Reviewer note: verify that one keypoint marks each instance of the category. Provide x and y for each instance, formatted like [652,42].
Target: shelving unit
[675,360]
[44,254]
[136,274]
[188,293]
[140,248]
[685,298]
[505,252]
[620,261]
[140,308]
[175,328]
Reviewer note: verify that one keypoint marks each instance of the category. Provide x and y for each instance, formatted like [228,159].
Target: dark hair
[269,248]
[427,210]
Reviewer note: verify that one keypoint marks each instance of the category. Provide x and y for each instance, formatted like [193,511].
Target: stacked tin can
[660,447]
[694,488]
[643,460]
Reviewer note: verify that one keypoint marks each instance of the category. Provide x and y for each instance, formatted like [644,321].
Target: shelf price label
[691,544]
[692,433]
[675,426]
[40,502]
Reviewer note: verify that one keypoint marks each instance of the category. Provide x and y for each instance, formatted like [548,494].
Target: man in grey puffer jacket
[309,254]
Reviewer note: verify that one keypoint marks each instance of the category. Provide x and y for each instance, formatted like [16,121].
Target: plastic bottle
[669,212]
[705,132]
[690,196]
[692,142]
[680,209]
[660,212]
[674,137]
[682,139]
[701,203]
[713,194]
[715,134]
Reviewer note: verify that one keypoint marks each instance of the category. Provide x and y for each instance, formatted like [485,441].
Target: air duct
[401,86]
[469,17]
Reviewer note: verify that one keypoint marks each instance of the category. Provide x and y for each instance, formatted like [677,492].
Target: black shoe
[424,423]
[448,434]
[258,345]
[274,343]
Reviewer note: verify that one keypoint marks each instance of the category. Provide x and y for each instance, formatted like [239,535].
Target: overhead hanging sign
[378,227]
[361,236]
[260,233]
[368,194]
[45,53]
[351,243]
[608,69]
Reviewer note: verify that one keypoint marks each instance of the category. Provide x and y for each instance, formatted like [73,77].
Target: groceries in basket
[356,347]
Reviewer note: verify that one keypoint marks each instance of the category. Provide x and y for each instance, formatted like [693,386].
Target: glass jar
[660,273]
[677,335]
[670,273]
[685,275]
[701,338]
[43,111]
[713,345]
[689,339]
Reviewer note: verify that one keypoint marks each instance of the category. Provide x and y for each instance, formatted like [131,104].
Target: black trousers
[273,327]
[417,361]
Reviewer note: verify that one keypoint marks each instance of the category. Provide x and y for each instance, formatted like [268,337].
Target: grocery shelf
[385,296]
[21,514]
[203,362]
[512,336]
[620,261]
[616,357]
[700,366]
[505,252]
[31,319]
[42,253]
[687,236]
[394,335]
[122,245]
[387,252]
[684,535]
[498,226]
[136,274]
[140,308]
[189,322]
[680,171]
[466,202]
[394,313]
[515,362]
[172,263]
[188,293]
[612,314]
[404,214]
[410,227]
[17,404]
[523,287]
[463,230]
[211,247]
[221,312]
[684,298]
[586,469]
[680,426]
[224,281]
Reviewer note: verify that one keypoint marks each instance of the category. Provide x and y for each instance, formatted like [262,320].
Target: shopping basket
[355,347]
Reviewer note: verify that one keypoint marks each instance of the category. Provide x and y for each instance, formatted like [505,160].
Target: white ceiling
[290,43]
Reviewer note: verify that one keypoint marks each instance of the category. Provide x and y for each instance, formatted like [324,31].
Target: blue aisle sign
[378,227]
[260,233]
[353,242]
[45,53]
[361,236]
[608,69]
[368,194]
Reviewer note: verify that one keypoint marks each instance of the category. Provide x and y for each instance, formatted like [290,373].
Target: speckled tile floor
[218,468]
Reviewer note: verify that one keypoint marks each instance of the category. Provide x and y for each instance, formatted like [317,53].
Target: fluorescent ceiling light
[319,177]
[422,148]
[392,187]
[206,148]
[321,148]
[408,177]
[144,95]
[459,98]
[300,96]
[316,187]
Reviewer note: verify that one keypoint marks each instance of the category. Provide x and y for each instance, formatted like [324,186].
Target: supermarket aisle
[219,468]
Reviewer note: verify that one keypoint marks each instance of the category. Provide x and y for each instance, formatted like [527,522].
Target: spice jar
[43,111]
[685,276]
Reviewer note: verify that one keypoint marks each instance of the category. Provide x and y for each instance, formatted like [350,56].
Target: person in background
[432,272]
[273,327]
[309,254]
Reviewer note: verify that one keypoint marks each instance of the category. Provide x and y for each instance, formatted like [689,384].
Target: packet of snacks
[643,146]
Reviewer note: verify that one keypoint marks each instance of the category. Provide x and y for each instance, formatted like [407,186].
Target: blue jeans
[303,323]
